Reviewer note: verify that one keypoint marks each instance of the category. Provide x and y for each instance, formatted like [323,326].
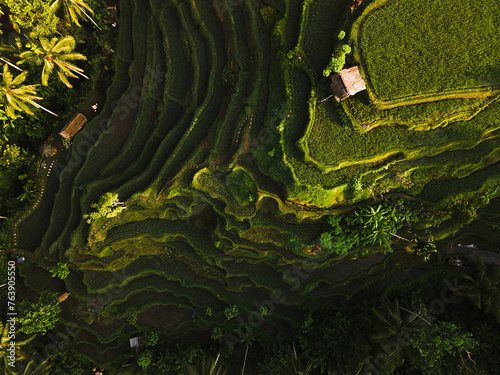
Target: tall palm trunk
[41,107]
[244,362]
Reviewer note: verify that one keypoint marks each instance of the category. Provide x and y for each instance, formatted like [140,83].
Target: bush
[61,271]
[231,312]
[41,316]
[242,187]
[217,333]
[145,358]
[436,347]
[151,338]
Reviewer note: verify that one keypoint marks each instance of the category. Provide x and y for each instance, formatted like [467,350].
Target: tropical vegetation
[222,213]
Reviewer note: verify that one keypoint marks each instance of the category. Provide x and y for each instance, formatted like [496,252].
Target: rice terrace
[250,187]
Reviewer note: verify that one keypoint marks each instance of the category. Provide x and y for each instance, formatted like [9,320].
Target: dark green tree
[438,348]
[483,288]
[32,16]
[55,54]
[207,366]
[60,270]
[41,316]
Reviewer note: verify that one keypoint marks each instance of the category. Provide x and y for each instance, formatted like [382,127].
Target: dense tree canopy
[33,16]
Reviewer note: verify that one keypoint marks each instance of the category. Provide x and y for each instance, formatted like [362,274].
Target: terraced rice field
[402,58]
[206,91]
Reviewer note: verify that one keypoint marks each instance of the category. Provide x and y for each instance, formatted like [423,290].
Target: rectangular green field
[415,47]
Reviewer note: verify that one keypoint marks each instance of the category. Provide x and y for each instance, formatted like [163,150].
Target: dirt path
[473,252]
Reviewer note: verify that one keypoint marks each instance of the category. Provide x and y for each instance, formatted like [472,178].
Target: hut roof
[134,342]
[338,88]
[352,80]
[73,126]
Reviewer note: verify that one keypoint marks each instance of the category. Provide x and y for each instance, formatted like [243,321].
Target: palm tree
[12,49]
[483,289]
[14,95]
[388,322]
[209,366]
[34,368]
[47,150]
[54,53]
[4,345]
[73,10]
[295,365]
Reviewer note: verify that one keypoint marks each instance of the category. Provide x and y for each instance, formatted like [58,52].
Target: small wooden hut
[347,83]
[73,126]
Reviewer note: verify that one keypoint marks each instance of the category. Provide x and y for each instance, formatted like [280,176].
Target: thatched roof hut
[347,83]
[73,126]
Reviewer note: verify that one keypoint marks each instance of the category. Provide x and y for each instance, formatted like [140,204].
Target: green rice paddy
[231,149]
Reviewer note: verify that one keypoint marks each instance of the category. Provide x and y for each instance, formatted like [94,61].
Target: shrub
[217,333]
[437,345]
[151,338]
[231,312]
[145,358]
[264,310]
[41,316]
[61,271]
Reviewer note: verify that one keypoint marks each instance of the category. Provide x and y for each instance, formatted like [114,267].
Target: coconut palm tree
[73,10]
[47,150]
[56,54]
[14,96]
[388,322]
[4,346]
[483,288]
[31,367]
[295,365]
[208,366]
[10,50]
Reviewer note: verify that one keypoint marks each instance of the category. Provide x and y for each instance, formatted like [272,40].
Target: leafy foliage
[437,345]
[72,10]
[207,366]
[34,16]
[151,338]
[231,312]
[54,53]
[144,359]
[217,333]
[422,248]
[61,271]
[242,187]
[108,206]
[331,340]
[372,225]
[41,316]
[337,61]
[14,95]
[483,288]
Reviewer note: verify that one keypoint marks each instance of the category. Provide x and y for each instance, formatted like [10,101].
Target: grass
[319,36]
[333,146]
[413,47]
